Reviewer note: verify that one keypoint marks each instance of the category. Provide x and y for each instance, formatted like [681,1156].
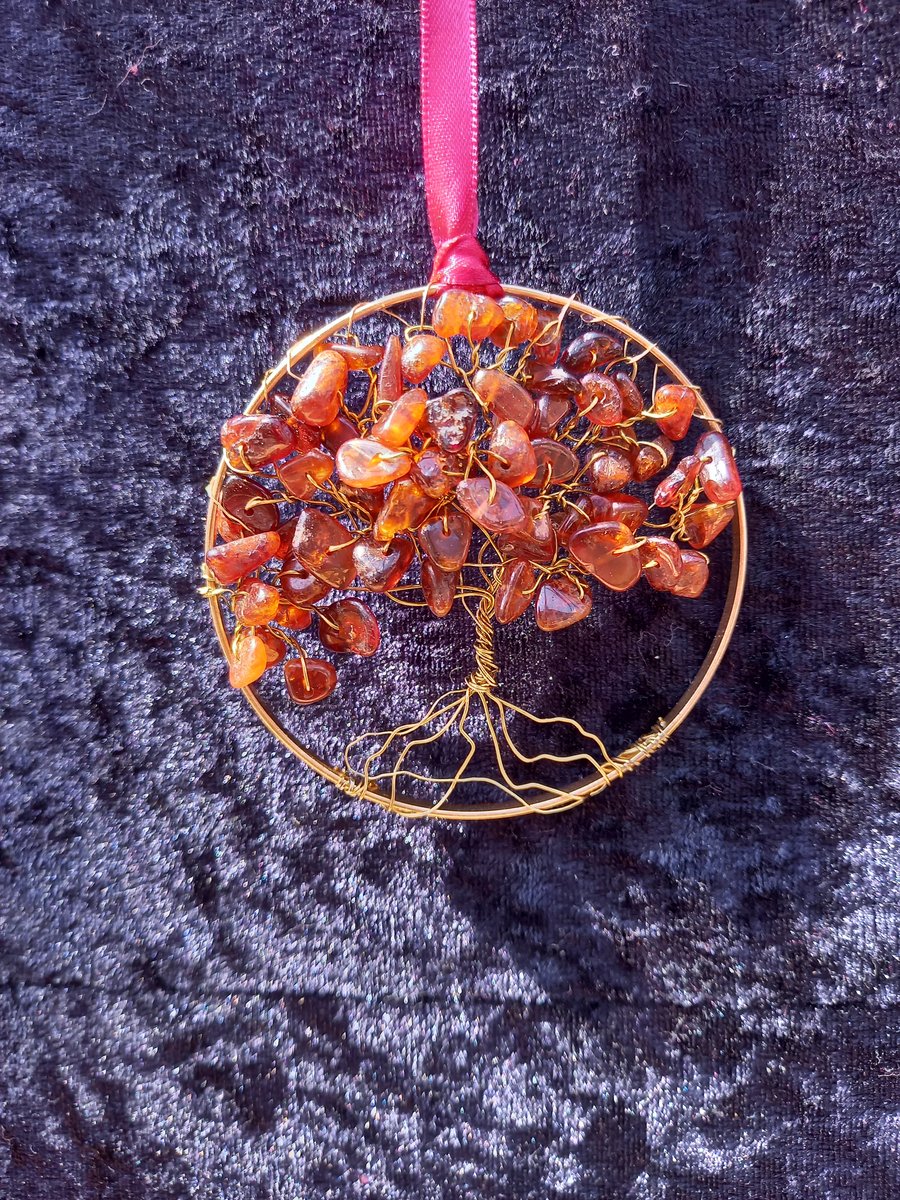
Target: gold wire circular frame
[620,764]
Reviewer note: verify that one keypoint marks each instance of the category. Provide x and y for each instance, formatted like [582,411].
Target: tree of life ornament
[472,459]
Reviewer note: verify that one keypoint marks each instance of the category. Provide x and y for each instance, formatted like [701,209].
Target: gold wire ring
[620,764]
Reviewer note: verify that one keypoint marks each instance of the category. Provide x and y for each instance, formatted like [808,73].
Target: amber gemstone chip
[309,680]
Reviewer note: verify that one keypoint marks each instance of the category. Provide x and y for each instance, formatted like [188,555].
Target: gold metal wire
[451,705]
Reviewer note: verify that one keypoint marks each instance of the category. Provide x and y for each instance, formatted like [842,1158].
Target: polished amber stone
[365,462]
[292,617]
[591,350]
[286,533]
[437,472]
[549,413]
[678,483]
[390,373]
[421,355]
[446,539]
[249,660]
[357,358]
[309,679]
[560,603]
[608,470]
[450,420]
[341,430]
[536,540]
[660,562]
[547,338]
[438,587]
[275,647]
[325,547]
[556,463]
[704,522]
[651,457]
[349,627]
[607,552]
[303,475]
[317,397]
[672,409]
[511,454]
[396,426]
[503,396]
[246,507]
[381,565]
[516,590]
[233,561]
[257,440]
[298,586]
[632,400]
[520,322]
[406,506]
[619,506]
[491,504]
[694,575]
[256,603]
[718,472]
[600,399]
[464,314]
[554,381]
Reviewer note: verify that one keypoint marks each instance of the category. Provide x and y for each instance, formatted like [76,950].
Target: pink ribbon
[449,75]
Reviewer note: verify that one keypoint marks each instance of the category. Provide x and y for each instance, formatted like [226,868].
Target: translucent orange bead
[390,374]
[511,456]
[672,409]
[619,506]
[718,472]
[556,463]
[357,358]
[292,617]
[515,592]
[309,680]
[365,462]
[632,400]
[536,540]
[491,504]
[341,430]
[600,399]
[406,506]
[554,381]
[249,660]
[381,565]
[608,470]
[438,587]
[299,586]
[317,397]
[247,507]
[505,398]
[694,575]
[661,562]
[520,322]
[233,561]
[349,627]
[397,425]
[286,533]
[446,539]
[303,475]
[560,603]
[257,440]
[678,483]
[704,522]
[421,355]
[463,314]
[547,338]
[651,457]
[324,547]
[450,420]
[437,472]
[275,647]
[256,602]
[549,413]
[591,350]
[607,551]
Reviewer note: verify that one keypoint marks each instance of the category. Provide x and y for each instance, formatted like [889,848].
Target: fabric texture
[221,980]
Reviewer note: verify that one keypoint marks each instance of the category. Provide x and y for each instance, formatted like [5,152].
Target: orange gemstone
[511,454]
[256,603]
[536,541]
[704,522]
[606,551]
[446,539]
[390,375]
[672,409]
[516,590]
[660,562]
[406,506]
[298,586]
[555,381]
[309,679]
[381,565]
[437,472]
[718,472]
[520,322]
[341,430]
[246,507]
[464,314]
[608,470]
[651,457]
[365,462]
[491,504]
[560,603]
[549,413]
[303,475]
[600,399]
[450,420]
[317,397]
[325,547]
[234,560]
[547,338]
[619,506]
[397,425]
[421,355]
[506,399]
[590,350]
[249,660]
[556,463]
[286,533]
[275,647]
[678,483]
[357,358]
[349,627]
[257,440]
[694,575]
[292,617]
[438,587]
[632,400]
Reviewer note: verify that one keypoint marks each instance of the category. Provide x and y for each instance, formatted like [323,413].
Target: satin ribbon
[449,80]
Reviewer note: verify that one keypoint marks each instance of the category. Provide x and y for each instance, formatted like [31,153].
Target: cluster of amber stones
[373,476]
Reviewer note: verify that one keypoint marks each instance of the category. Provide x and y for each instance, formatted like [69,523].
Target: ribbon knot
[461,262]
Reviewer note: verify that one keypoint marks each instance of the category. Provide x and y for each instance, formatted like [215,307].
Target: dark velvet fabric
[222,980]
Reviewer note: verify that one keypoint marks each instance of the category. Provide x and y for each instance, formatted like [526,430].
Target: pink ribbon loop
[449,77]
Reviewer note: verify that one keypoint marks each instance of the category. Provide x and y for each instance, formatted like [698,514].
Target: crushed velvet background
[220,979]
